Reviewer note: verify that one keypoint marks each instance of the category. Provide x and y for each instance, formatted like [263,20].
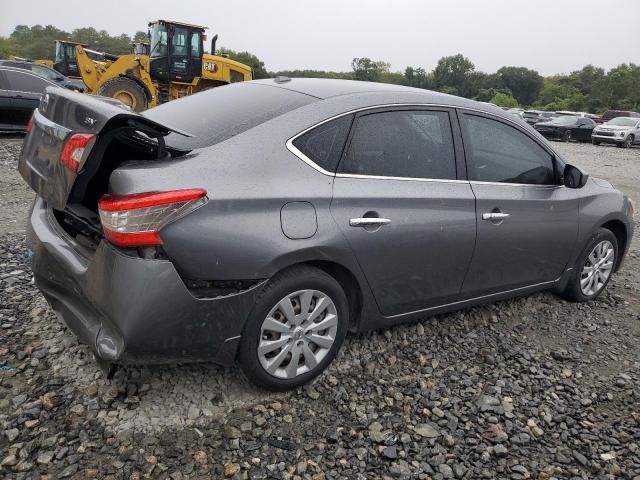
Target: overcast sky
[551,36]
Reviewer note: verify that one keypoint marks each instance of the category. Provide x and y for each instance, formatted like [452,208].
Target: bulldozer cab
[175,51]
[65,60]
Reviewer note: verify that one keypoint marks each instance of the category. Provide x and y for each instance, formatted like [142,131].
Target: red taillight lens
[136,220]
[29,125]
[74,149]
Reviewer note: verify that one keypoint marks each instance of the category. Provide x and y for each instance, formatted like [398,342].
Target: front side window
[44,72]
[497,152]
[59,52]
[409,144]
[323,145]
[25,82]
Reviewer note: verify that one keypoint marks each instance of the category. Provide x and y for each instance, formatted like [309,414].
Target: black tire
[566,136]
[628,142]
[279,287]
[572,291]
[126,90]
[595,142]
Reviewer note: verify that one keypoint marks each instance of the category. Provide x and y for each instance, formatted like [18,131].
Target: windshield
[566,120]
[59,52]
[623,121]
[44,72]
[158,41]
[218,114]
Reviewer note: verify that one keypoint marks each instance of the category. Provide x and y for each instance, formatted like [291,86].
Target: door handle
[368,221]
[494,216]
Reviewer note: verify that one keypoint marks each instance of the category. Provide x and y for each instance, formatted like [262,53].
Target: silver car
[262,221]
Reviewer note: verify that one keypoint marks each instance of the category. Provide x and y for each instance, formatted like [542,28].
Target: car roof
[326,88]
[25,72]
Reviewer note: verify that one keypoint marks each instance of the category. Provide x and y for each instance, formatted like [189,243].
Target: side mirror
[574,177]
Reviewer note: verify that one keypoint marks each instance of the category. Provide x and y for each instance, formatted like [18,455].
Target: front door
[527,222]
[186,54]
[408,219]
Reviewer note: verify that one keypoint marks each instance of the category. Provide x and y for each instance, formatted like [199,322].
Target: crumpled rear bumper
[130,309]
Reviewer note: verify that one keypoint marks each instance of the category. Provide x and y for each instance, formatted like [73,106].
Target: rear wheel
[295,329]
[594,267]
[126,90]
[566,136]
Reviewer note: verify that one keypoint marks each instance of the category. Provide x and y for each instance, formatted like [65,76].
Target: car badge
[89,121]
[45,103]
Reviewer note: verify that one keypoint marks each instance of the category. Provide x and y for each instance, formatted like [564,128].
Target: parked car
[567,128]
[20,92]
[516,112]
[46,72]
[534,116]
[311,208]
[611,114]
[622,131]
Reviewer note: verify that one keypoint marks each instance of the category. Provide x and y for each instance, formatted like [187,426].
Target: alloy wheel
[597,268]
[297,334]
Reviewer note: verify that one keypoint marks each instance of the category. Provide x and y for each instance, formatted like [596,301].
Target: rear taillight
[136,220]
[73,150]
[29,125]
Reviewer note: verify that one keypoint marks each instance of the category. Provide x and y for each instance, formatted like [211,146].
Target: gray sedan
[262,221]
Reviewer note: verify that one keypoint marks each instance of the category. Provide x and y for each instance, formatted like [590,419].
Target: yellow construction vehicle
[65,60]
[175,67]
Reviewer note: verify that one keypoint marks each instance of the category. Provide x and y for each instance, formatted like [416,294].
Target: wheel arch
[619,229]
[145,89]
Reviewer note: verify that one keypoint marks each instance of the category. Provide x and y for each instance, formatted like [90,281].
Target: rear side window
[408,144]
[220,113]
[25,82]
[323,145]
[497,152]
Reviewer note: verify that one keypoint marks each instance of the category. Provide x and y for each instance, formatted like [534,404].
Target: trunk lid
[61,114]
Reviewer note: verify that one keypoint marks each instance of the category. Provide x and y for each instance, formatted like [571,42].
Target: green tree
[37,41]
[367,70]
[504,100]
[452,74]
[7,47]
[259,70]
[525,84]
[141,36]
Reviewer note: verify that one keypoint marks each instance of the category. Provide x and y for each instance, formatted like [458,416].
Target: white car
[623,131]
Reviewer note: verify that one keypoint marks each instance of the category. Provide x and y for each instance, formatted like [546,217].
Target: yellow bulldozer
[176,66]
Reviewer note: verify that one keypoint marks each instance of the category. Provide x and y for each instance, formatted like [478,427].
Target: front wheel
[295,329]
[594,267]
[595,142]
[628,142]
[566,136]
[127,90]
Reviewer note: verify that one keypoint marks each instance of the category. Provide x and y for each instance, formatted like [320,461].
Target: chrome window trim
[534,185]
[27,72]
[414,179]
[293,149]
[514,290]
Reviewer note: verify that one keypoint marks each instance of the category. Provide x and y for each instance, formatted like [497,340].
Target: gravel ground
[527,388]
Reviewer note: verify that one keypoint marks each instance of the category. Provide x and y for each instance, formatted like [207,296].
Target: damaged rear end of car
[98,257]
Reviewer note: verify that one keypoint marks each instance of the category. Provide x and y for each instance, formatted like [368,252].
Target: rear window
[220,113]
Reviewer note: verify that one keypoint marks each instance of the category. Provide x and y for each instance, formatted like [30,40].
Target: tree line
[591,89]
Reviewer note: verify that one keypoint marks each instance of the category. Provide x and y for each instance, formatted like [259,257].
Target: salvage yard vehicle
[621,131]
[175,67]
[567,128]
[46,72]
[534,116]
[263,220]
[20,92]
[611,114]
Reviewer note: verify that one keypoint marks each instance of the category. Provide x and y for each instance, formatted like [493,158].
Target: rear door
[408,217]
[527,222]
[6,110]
[25,89]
